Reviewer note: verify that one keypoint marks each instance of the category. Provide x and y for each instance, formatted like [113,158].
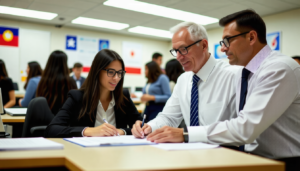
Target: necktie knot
[245,73]
[195,79]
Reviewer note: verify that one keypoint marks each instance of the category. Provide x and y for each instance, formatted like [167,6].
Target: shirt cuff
[123,131]
[83,131]
[197,134]
[153,126]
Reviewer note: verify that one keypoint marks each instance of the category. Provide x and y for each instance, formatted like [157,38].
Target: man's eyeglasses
[112,73]
[225,41]
[182,50]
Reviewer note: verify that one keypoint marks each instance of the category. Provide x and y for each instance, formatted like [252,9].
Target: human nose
[178,56]
[224,48]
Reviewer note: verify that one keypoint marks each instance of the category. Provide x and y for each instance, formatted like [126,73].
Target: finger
[110,131]
[158,131]
[112,128]
[138,128]
[163,140]
[157,137]
[147,129]
[135,132]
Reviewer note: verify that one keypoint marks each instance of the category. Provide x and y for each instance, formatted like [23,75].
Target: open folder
[108,141]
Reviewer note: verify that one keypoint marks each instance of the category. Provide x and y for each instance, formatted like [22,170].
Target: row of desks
[149,158]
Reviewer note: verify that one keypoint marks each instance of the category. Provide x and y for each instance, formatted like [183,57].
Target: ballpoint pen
[143,120]
[107,123]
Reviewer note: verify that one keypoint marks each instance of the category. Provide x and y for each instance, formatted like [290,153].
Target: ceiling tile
[73,12]
[23,3]
[70,3]
[7,2]
[162,23]
[275,4]
[296,2]
[260,9]
[48,8]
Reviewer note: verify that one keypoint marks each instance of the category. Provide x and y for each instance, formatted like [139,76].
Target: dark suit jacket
[82,79]
[66,123]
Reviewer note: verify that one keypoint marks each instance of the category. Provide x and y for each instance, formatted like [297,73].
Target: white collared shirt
[77,81]
[109,114]
[216,90]
[269,124]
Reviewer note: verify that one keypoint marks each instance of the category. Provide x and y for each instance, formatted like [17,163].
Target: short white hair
[196,31]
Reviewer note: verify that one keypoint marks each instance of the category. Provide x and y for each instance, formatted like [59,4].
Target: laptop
[2,130]
[16,111]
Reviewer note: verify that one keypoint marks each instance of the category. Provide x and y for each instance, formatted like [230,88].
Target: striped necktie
[194,102]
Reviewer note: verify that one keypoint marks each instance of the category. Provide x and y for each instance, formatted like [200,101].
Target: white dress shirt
[269,124]
[109,114]
[77,81]
[216,98]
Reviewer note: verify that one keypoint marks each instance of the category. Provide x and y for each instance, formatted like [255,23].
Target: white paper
[28,144]
[16,110]
[107,141]
[184,146]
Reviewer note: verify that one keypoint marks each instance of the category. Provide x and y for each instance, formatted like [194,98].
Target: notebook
[16,111]
[2,130]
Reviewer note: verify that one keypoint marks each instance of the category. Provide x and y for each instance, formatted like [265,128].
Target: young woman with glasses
[101,107]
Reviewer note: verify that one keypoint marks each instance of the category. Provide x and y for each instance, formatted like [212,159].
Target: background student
[7,88]
[77,70]
[100,97]
[173,71]
[157,57]
[156,92]
[55,82]
[34,72]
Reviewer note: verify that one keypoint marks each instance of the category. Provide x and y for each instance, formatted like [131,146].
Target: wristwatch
[186,137]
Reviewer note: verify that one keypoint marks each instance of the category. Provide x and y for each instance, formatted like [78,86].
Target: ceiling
[71,9]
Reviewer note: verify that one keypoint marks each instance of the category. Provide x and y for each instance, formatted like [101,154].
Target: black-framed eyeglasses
[182,50]
[225,41]
[112,73]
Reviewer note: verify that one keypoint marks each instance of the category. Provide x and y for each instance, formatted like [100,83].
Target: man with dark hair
[297,59]
[77,69]
[157,57]
[268,96]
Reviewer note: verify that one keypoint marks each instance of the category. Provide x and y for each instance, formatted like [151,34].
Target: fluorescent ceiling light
[160,11]
[27,13]
[100,23]
[150,31]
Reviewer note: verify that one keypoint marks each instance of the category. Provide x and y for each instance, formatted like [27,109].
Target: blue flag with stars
[71,42]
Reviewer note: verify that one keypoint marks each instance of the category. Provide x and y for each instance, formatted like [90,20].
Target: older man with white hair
[203,95]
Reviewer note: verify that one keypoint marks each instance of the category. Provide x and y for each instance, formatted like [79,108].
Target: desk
[19,94]
[12,119]
[75,157]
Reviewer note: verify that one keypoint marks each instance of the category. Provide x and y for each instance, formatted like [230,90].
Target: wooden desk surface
[75,157]
[12,119]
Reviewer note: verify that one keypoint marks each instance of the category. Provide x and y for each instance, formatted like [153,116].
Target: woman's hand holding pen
[140,132]
[147,97]
[101,131]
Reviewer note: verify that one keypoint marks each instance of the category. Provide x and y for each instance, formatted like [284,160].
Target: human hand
[139,132]
[20,100]
[133,95]
[121,132]
[167,134]
[147,97]
[101,131]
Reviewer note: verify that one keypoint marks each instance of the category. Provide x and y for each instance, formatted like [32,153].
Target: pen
[107,123]
[144,120]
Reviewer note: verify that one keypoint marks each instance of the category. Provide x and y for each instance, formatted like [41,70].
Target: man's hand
[167,134]
[139,132]
[101,131]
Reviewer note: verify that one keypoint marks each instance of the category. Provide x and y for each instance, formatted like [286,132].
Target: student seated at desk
[100,97]
[34,72]
[7,88]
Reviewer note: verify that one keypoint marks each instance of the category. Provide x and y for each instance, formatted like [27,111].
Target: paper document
[184,146]
[16,111]
[28,144]
[108,141]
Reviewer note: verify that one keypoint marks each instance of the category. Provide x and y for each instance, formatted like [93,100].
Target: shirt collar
[255,62]
[76,78]
[204,72]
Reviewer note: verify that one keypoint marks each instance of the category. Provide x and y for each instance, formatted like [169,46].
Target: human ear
[252,37]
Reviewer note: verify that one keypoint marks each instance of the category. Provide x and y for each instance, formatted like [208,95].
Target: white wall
[287,22]
[57,42]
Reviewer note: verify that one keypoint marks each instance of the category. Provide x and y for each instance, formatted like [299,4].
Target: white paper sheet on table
[108,141]
[185,146]
[28,144]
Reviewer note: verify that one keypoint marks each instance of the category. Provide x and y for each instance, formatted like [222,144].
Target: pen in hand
[107,123]
[143,125]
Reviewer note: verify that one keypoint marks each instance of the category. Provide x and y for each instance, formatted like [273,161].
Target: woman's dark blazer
[67,124]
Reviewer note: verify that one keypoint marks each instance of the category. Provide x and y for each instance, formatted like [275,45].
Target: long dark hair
[3,72]
[34,70]
[91,85]
[154,71]
[55,82]
[173,70]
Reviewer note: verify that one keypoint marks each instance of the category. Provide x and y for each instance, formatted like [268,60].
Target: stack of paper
[28,144]
[108,141]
